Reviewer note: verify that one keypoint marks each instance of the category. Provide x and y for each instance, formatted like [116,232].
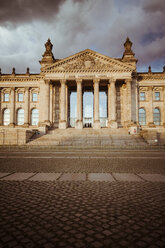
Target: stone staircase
[88,137]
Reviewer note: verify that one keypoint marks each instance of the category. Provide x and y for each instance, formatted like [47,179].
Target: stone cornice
[20,78]
[151,76]
[87,71]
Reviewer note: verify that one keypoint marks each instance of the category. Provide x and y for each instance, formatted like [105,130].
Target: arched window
[6,117]
[142,116]
[20,117]
[34,117]
[156,116]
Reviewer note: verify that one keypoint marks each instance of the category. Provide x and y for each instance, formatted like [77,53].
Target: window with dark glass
[157,96]
[34,97]
[142,116]
[156,116]
[20,97]
[6,97]
[142,96]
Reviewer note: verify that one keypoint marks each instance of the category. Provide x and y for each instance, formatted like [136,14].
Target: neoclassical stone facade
[39,101]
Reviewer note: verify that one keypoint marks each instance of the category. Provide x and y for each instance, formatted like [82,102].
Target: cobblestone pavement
[84,213]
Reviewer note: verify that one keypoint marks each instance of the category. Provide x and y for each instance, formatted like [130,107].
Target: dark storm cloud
[74,25]
[18,11]
[154,5]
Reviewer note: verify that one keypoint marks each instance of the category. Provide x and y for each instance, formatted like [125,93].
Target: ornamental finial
[128,46]
[149,69]
[48,46]
[13,71]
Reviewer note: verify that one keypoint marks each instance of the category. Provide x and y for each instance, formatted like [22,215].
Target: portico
[113,90]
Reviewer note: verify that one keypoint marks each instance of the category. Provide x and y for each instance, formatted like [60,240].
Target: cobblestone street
[82,211]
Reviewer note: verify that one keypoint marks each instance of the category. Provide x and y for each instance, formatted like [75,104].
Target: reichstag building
[85,90]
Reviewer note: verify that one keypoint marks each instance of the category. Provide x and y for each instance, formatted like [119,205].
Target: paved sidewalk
[99,177]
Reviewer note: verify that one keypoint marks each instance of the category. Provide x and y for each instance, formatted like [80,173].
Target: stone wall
[15,136]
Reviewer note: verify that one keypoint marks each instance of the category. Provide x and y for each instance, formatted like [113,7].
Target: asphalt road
[125,161]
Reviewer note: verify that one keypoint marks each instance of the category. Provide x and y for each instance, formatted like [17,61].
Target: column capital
[62,81]
[27,88]
[12,88]
[128,80]
[79,80]
[96,80]
[47,81]
[112,80]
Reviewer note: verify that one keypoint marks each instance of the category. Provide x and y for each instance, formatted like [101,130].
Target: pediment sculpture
[86,62]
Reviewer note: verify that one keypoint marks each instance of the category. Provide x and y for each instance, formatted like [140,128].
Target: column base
[151,124]
[112,124]
[79,124]
[11,125]
[26,125]
[62,125]
[128,124]
[96,125]
[46,122]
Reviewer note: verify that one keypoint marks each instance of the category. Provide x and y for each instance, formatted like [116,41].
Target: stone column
[1,120]
[66,111]
[62,124]
[12,108]
[96,124]
[149,110]
[112,104]
[26,109]
[134,100]
[79,124]
[164,105]
[137,102]
[47,102]
[129,104]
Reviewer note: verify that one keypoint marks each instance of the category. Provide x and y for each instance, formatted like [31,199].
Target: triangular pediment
[87,60]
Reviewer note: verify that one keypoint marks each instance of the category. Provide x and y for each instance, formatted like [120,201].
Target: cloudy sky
[74,25]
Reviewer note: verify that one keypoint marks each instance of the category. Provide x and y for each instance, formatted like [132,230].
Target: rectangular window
[6,97]
[157,96]
[20,97]
[34,97]
[142,96]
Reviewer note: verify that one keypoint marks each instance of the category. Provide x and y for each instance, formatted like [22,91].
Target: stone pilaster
[164,105]
[149,111]
[112,104]
[62,123]
[134,100]
[47,102]
[79,123]
[1,116]
[12,109]
[26,109]
[137,102]
[51,103]
[129,103]
[96,124]
[67,109]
